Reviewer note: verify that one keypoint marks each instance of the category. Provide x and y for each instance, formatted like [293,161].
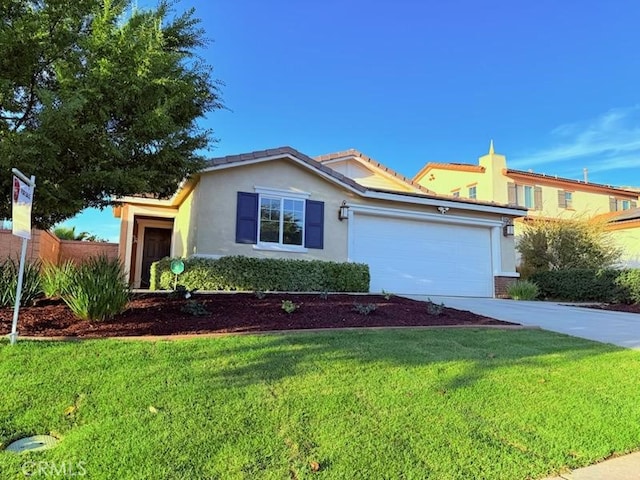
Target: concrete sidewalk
[622,329]
[620,468]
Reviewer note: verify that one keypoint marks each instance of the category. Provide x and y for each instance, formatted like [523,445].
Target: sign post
[21,220]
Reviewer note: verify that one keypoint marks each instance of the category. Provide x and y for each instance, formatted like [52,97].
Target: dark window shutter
[537,198]
[613,204]
[314,224]
[247,218]
[562,200]
[511,191]
[634,204]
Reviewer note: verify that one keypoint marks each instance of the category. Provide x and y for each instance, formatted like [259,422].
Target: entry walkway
[619,328]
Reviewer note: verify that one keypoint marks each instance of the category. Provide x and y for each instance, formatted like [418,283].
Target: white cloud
[609,142]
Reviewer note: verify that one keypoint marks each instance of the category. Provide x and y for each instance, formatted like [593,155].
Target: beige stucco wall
[185,228]
[445,182]
[584,204]
[368,176]
[629,240]
[217,203]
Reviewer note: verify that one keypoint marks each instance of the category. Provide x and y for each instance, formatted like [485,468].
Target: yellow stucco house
[340,207]
[544,196]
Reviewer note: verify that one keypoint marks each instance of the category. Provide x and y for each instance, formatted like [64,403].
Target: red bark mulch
[159,314]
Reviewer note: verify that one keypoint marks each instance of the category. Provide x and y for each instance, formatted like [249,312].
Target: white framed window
[473,191]
[625,205]
[528,200]
[281,221]
[455,193]
[568,199]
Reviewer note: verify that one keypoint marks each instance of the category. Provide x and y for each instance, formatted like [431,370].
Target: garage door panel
[410,256]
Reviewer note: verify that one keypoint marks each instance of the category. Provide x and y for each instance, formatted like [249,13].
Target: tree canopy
[99,99]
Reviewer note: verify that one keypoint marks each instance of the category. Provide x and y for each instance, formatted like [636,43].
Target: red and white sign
[21,211]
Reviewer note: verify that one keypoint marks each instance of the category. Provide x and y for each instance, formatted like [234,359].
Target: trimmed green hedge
[612,286]
[263,274]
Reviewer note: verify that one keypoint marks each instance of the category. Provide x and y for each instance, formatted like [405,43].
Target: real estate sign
[21,208]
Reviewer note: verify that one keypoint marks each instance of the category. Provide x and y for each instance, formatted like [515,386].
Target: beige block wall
[11,246]
[77,251]
[46,247]
[217,203]
[49,247]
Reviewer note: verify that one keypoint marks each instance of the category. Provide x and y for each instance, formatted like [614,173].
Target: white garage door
[418,257]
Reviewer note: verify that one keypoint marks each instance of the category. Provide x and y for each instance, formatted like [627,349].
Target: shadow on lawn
[484,350]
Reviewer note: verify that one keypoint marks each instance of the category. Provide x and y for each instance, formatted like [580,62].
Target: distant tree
[561,244]
[99,99]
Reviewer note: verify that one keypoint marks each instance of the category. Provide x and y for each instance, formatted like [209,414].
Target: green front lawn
[377,404]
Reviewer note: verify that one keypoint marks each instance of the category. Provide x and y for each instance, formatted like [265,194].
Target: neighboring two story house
[544,196]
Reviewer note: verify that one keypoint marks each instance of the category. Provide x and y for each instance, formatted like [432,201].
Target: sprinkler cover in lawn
[32,444]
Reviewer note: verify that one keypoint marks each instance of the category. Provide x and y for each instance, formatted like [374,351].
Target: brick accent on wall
[502,284]
[47,247]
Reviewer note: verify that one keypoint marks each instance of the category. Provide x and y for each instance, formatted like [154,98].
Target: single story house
[338,207]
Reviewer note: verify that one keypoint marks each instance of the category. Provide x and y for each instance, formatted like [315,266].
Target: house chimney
[585,172]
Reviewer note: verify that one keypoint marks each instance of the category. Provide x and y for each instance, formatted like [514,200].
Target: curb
[192,336]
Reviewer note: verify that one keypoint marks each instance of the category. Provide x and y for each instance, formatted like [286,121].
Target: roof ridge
[571,180]
[353,152]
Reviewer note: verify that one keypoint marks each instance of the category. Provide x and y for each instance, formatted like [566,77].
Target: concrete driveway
[619,328]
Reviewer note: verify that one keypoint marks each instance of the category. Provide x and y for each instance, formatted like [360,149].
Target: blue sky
[556,85]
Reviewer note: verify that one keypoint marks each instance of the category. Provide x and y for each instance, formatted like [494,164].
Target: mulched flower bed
[617,307]
[159,314]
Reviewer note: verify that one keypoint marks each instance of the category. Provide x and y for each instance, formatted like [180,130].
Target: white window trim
[280,194]
[277,192]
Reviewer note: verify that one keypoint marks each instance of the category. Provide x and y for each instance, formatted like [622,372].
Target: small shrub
[259,294]
[324,295]
[98,290]
[387,295]
[364,309]
[31,285]
[523,290]
[434,308]
[629,282]
[584,285]
[195,308]
[289,307]
[182,292]
[56,278]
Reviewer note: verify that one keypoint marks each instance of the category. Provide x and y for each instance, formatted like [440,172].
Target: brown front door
[157,245]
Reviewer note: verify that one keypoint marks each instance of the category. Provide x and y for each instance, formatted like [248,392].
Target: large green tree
[99,99]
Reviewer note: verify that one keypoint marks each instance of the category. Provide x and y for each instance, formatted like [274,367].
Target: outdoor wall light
[509,230]
[343,212]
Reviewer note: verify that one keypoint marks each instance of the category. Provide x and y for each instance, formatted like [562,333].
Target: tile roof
[461,167]
[282,151]
[581,183]
[352,152]
[626,215]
